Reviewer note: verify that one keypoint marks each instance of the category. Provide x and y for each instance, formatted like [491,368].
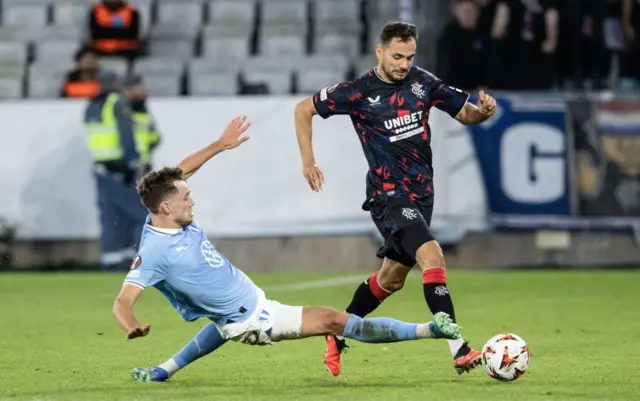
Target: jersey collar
[375,71]
[168,231]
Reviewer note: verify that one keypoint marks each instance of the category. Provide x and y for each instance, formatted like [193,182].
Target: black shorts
[404,224]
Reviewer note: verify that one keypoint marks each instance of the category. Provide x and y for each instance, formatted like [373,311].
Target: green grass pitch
[59,342]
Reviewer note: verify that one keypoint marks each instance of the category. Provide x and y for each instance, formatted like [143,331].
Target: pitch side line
[305,285]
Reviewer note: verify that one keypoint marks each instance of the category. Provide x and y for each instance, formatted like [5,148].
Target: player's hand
[138,332]
[232,136]
[486,104]
[313,174]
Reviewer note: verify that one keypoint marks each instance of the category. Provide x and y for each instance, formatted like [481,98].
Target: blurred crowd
[500,44]
[114,30]
[542,44]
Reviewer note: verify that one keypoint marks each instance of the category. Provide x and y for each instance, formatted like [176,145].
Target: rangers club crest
[408,213]
[417,90]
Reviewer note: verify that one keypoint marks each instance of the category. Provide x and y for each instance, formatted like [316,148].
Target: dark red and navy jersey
[392,122]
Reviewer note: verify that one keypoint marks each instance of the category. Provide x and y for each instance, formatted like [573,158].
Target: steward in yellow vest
[146,135]
[116,166]
[109,126]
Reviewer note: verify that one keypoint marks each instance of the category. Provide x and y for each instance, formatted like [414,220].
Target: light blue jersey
[195,278]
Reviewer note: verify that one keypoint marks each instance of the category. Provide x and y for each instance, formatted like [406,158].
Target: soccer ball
[505,357]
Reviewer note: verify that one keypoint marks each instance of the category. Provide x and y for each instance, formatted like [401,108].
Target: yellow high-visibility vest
[104,138]
[145,135]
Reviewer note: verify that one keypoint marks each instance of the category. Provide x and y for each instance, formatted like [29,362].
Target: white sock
[170,366]
[423,331]
[454,345]
[340,337]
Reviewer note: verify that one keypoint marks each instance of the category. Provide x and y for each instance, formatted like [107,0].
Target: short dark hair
[156,186]
[398,30]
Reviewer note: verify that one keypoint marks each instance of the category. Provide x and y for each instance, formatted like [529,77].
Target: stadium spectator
[581,53]
[146,135]
[630,68]
[110,129]
[83,81]
[115,28]
[492,27]
[461,45]
[532,36]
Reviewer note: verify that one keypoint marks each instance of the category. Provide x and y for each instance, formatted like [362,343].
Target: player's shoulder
[155,241]
[367,76]
[353,90]
[152,248]
[369,83]
[194,227]
[422,74]
[153,234]
[151,255]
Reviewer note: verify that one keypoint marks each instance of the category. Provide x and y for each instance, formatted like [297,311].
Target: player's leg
[430,258]
[206,341]
[391,276]
[284,322]
[375,289]
[368,296]
[414,239]
[321,321]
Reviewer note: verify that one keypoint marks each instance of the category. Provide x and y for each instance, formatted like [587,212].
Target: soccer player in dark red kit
[389,107]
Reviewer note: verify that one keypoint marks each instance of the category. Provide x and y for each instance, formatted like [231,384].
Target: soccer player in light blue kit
[176,257]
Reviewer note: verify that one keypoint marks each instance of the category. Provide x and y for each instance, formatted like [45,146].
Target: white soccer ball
[505,357]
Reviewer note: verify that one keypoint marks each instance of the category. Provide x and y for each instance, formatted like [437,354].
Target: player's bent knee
[322,321]
[336,322]
[395,286]
[390,284]
[430,256]
[392,275]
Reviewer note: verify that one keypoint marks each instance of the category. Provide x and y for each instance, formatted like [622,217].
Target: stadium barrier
[523,169]
[256,190]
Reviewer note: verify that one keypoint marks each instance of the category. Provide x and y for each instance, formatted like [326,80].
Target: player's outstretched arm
[472,114]
[303,116]
[123,312]
[229,139]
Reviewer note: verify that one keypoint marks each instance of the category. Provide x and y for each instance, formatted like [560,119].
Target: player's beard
[389,74]
[185,222]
